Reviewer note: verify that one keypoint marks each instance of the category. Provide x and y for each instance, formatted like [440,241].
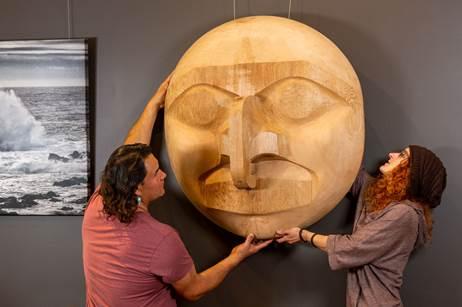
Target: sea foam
[19,130]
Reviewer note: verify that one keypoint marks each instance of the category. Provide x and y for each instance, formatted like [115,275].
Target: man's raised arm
[141,131]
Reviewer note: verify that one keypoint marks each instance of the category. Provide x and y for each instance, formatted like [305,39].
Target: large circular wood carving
[264,125]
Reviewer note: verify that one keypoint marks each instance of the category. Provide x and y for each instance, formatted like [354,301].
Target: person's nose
[246,140]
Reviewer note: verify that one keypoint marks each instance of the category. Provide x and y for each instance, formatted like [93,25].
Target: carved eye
[201,106]
[298,99]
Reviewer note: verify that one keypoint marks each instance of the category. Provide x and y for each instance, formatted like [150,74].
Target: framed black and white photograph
[45,161]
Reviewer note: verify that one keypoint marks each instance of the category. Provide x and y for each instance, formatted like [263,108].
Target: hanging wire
[234,9]
[290,6]
[69,24]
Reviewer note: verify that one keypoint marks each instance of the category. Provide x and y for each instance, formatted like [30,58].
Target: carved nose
[243,142]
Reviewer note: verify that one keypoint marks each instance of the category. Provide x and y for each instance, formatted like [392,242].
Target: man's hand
[158,99]
[291,235]
[248,248]
[193,285]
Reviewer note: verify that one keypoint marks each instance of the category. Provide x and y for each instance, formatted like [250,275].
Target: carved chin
[281,185]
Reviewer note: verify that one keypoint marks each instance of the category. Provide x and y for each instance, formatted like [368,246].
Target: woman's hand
[291,235]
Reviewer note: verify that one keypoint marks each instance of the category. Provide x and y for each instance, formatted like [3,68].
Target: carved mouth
[281,185]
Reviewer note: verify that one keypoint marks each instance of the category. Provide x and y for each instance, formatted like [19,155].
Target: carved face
[264,137]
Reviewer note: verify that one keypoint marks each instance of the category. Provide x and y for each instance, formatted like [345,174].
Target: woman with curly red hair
[393,218]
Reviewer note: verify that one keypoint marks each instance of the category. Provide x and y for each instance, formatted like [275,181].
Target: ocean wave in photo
[19,130]
[35,162]
[44,163]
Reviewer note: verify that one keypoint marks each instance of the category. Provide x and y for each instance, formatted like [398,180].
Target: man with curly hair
[130,258]
[393,218]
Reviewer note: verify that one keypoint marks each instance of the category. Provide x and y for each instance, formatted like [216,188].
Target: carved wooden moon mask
[264,125]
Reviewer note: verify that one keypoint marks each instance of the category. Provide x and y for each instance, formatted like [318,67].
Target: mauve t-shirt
[130,265]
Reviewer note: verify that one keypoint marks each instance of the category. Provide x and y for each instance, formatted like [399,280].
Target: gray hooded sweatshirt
[378,250]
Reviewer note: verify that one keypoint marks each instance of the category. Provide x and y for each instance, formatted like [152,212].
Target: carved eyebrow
[210,87]
[277,83]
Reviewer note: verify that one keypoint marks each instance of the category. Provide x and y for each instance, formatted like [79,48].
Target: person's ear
[139,190]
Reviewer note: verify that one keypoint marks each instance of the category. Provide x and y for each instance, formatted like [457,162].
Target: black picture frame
[47,96]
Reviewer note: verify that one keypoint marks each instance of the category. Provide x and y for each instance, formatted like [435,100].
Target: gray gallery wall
[407,55]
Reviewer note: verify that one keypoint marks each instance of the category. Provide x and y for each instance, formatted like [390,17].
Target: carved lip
[281,185]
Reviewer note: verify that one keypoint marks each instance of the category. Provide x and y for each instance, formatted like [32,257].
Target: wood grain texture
[264,125]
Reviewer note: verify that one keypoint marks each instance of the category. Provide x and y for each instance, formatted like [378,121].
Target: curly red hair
[394,187]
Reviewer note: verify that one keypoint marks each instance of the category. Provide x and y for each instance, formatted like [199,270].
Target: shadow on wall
[292,275]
